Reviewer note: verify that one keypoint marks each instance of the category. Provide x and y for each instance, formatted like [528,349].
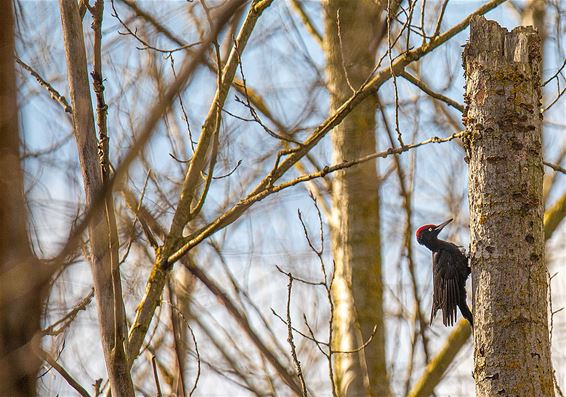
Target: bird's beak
[438,228]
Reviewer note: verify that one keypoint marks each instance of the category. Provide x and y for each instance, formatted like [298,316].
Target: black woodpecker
[450,270]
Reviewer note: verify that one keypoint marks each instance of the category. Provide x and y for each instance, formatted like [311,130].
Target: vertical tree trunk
[503,118]
[351,31]
[20,292]
[103,242]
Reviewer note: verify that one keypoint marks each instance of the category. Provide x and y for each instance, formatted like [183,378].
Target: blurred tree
[352,35]
[20,280]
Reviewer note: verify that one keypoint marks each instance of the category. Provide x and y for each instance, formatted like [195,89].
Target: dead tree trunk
[503,119]
[351,31]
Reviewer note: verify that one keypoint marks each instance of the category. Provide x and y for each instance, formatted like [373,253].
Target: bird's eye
[430,229]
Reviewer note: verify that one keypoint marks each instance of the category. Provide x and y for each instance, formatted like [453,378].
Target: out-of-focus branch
[550,179]
[43,355]
[554,215]
[21,284]
[298,8]
[153,21]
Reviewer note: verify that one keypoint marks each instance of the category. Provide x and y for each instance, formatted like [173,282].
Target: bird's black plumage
[450,271]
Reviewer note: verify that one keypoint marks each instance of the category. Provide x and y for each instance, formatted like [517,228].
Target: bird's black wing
[450,271]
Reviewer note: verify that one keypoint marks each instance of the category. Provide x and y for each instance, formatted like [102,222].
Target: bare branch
[555,167]
[356,350]
[290,338]
[60,325]
[55,95]
[426,89]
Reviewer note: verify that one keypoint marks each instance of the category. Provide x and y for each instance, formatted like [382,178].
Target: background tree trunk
[350,39]
[20,304]
[504,146]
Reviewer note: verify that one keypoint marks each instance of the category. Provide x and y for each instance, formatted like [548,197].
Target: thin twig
[342,51]
[311,338]
[146,45]
[560,93]
[229,173]
[59,326]
[251,109]
[52,91]
[419,83]
[555,167]
[555,75]
[356,350]
[180,97]
[440,18]
[290,338]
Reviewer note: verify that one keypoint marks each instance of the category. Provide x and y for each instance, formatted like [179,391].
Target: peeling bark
[504,148]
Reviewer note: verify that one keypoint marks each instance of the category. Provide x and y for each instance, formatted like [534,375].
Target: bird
[450,270]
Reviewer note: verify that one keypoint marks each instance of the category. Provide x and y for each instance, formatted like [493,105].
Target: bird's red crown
[423,228]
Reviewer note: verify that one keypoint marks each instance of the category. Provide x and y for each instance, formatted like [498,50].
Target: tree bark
[351,32]
[20,305]
[504,148]
[103,242]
